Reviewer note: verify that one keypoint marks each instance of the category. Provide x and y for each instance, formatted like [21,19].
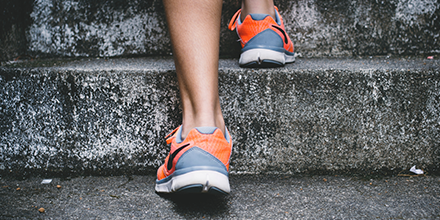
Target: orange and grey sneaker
[198,164]
[263,40]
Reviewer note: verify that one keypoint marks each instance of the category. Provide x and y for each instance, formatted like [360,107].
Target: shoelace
[169,138]
[233,21]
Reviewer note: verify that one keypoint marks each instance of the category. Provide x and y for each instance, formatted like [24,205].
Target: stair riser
[285,121]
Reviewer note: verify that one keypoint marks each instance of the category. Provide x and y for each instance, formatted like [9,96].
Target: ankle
[257,7]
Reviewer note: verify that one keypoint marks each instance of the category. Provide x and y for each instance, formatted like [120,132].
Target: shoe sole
[264,58]
[200,181]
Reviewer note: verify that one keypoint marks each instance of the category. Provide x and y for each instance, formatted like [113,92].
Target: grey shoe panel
[198,159]
[267,39]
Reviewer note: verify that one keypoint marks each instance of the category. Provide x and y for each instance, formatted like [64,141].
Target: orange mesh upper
[214,144]
[249,28]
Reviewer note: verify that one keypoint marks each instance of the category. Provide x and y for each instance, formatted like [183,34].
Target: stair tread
[166,63]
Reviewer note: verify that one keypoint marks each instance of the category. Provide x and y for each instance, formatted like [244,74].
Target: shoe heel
[261,58]
[264,50]
[197,171]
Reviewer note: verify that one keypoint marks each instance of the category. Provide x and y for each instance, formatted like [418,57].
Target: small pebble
[18,188]
[59,186]
[41,210]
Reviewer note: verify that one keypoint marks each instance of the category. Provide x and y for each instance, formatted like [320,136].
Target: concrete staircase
[109,116]
[105,99]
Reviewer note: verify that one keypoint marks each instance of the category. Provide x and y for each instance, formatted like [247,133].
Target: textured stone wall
[98,28]
[70,28]
[373,27]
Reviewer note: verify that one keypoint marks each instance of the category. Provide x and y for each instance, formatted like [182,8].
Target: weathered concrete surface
[72,28]
[330,115]
[252,197]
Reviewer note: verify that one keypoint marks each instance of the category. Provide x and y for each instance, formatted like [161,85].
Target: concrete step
[101,28]
[252,197]
[109,116]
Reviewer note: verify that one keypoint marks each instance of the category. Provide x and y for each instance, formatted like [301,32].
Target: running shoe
[263,40]
[198,164]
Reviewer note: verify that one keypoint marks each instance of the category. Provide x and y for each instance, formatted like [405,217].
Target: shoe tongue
[258,17]
[206,130]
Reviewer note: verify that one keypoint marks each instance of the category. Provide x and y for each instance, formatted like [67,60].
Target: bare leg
[257,7]
[194,27]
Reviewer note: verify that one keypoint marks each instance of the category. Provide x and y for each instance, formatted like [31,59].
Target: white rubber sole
[260,56]
[207,179]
